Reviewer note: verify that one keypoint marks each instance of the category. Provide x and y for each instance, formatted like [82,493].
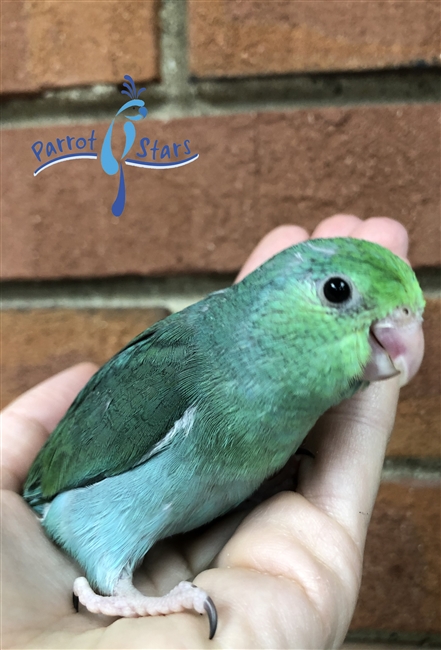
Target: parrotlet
[187,420]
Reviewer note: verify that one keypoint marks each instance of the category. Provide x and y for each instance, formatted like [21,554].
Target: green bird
[197,411]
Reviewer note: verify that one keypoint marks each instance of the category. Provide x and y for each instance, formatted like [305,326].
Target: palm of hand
[287,576]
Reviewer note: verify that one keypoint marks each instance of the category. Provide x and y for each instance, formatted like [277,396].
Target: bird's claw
[75,601]
[302,451]
[210,608]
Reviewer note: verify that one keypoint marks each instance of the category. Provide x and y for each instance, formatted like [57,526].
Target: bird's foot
[127,601]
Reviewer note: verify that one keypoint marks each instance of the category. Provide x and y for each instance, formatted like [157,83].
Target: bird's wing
[123,412]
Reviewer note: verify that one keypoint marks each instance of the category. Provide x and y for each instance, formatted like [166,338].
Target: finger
[340,225]
[342,483]
[386,232]
[27,422]
[274,242]
[36,576]
[349,443]
[381,230]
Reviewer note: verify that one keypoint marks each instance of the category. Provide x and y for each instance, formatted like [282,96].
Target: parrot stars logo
[134,110]
[108,161]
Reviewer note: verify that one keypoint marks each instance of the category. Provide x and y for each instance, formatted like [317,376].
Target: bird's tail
[119,203]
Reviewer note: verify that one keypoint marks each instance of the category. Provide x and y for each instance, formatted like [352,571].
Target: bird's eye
[337,290]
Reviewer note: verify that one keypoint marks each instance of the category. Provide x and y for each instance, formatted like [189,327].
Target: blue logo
[133,110]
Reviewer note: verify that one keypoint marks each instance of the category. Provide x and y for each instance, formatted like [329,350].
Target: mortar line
[397,469]
[397,639]
[178,97]
[173,51]
[172,293]
[123,292]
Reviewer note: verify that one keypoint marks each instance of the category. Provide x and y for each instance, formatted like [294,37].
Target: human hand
[289,574]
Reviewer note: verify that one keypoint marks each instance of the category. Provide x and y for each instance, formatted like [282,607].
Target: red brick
[49,44]
[401,578]
[255,171]
[14,48]
[248,37]
[38,343]
[417,429]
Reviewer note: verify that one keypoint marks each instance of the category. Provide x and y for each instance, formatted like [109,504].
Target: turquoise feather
[192,415]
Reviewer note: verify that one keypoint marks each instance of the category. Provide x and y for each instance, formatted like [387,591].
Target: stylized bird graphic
[108,161]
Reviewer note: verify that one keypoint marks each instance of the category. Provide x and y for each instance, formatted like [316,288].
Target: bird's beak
[397,347]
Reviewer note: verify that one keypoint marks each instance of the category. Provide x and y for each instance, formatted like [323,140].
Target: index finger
[350,440]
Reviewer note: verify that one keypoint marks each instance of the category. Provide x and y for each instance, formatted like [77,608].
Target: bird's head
[135,107]
[356,304]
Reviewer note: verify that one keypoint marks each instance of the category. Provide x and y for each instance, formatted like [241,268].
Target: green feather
[119,415]
[261,360]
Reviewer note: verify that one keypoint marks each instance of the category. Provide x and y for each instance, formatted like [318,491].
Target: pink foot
[129,602]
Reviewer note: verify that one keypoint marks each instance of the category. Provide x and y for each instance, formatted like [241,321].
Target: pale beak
[397,345]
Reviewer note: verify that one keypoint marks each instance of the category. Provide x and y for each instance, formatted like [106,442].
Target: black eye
[336,290]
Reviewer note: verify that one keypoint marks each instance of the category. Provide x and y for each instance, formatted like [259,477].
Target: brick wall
[298,109]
